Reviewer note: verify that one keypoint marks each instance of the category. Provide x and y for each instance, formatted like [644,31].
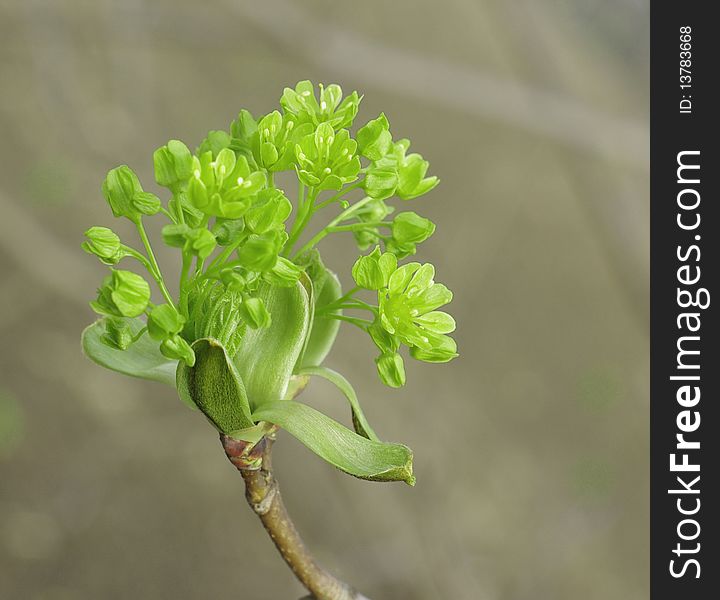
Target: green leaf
[141,359]
[358,417]
[327,289]
[335,443]
[214,385]
[267,356]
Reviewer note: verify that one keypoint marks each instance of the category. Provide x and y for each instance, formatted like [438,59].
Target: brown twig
[263,496]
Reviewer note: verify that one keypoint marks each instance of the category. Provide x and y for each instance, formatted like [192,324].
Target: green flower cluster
[244,287]
[405,314]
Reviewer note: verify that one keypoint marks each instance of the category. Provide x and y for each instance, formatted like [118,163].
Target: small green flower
[303,103]
[407,307]
[372,272]
[411,173]
[327,160]
[223,186]
[122,294]
[274,141]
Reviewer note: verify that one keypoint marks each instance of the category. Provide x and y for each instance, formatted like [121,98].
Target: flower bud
[254,313]
[119,188]
[374,139]
[173,165]
[214,142]
[164,322]
[228,231]
[105,244]
[411,177]
[147,203]
[244,126]
[408,230]
[284,274]
[232,280]
[175,235]
[122,294]
[269,212]
[177,348]
[391,369]
[372,272]
[118,333]
[260,252]
[381,180]
[201,242]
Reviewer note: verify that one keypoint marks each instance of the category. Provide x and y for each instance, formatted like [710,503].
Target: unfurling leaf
[267,356]
[214,385]
[335,443]
[358,417]
[141,359]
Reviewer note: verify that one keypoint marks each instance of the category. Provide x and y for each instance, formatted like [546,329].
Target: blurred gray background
[531,448]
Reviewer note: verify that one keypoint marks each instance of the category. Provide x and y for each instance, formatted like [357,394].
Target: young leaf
[141,359]
[324,329]
[215,387]
[335,443]
[359,421]
[266,356]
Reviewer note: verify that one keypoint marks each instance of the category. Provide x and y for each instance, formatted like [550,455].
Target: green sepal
[267,356]
[214,385]
[341,447]
[360,424]
[141,359]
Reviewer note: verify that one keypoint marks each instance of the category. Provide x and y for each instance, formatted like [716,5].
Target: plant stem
[263,496]
[343,216]
[155,272]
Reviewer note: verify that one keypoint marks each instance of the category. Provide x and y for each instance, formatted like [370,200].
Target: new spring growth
[254,312]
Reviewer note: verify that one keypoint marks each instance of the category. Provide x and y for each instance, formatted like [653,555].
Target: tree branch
[263,495]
